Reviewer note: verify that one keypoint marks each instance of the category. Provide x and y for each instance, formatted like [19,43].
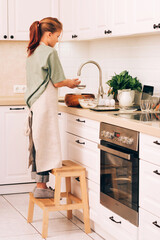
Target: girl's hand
[72,83]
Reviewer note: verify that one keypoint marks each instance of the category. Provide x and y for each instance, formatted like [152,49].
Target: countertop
[14,100]
[151,128]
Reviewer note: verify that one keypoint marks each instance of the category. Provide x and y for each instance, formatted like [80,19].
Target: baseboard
[16,188]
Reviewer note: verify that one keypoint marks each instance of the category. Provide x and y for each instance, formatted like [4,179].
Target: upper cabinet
[112,17]
[16,16]
[77,17]
[145,16]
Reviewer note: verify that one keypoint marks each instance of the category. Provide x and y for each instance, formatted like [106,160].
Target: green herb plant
[123,81]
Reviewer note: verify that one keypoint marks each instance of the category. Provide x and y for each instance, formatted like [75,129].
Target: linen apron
[45,130]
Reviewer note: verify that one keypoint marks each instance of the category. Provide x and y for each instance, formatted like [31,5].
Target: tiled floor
[14,226]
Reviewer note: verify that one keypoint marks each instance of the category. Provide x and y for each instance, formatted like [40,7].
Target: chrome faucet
[100,89]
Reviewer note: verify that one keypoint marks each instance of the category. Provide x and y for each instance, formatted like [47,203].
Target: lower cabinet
[13,148]
[149,226]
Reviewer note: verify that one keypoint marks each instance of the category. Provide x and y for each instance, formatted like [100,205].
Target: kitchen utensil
[71,100]
[88,102]
[147,92]
[81,86]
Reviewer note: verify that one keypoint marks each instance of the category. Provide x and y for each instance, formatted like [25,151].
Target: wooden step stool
[69,169]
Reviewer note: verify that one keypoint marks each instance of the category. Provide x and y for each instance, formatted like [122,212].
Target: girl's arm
[71,83]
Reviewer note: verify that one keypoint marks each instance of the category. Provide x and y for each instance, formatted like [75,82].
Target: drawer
[86,153]
[150,187]
[149,226]
[150,148]
[93,192]
[117,226]
[83,127]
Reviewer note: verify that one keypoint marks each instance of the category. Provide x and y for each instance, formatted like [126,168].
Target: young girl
[44,76]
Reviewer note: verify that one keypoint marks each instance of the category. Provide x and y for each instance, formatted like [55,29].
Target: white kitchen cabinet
[85,153]
[112,17]
[77,19]
[18,15]
[83,127]
[145,15]
[3,19]
[62,130]
[149,225]
[14,146]
[149,189]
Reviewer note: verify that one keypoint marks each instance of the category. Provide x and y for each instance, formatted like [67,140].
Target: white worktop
[152,128]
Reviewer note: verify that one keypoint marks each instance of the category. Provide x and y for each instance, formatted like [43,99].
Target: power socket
[19,88]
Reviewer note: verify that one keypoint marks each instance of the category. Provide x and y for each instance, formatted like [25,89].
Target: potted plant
[123,81]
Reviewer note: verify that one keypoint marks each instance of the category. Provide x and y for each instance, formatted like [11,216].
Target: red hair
[37,29]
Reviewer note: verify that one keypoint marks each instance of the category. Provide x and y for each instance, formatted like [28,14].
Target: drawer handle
[156,172]
[77,141]
[17,108]
[156,142]
[112,219]
[59,114]
[78,120]
[155,223]
[77,179]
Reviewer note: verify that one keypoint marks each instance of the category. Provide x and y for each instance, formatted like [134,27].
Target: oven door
[119,181]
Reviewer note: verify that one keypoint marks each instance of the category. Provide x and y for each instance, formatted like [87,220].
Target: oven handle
[114,152]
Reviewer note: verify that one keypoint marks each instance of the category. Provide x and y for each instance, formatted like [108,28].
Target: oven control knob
[102,133]
[129,141]
[124,140]
[109,135]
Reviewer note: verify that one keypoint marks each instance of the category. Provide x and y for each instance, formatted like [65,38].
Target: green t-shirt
[41,67]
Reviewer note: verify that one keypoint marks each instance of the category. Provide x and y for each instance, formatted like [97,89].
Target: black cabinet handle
[77,141]
[112,219]
[78,120]
[155,223]
[11,36]
[77,179]
[5,36]
[17,108]
[74,36]
[59,114]
[107,32]
[156,26]
[156,172]
[156,142]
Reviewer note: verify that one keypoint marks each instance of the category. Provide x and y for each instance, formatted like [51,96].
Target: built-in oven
[119,173]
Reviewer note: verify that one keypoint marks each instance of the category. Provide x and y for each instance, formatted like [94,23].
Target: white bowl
[88,102]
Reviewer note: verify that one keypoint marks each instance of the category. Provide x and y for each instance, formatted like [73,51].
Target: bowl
[88,102]
[72,100]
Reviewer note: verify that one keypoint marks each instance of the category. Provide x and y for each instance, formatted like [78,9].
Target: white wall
[139,55]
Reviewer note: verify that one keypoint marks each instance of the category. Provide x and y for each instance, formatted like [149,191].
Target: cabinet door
[67,15]
[3,19]
[85,19]
[103,17]
[62,130]
[149,226]
[14,162]
[120,17]
[150,187]
[22,13]
[145,15]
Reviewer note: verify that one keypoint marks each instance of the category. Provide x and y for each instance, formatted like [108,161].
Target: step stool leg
[85,202]
[45,223]
[57,189]
[30,210]
[69,201]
